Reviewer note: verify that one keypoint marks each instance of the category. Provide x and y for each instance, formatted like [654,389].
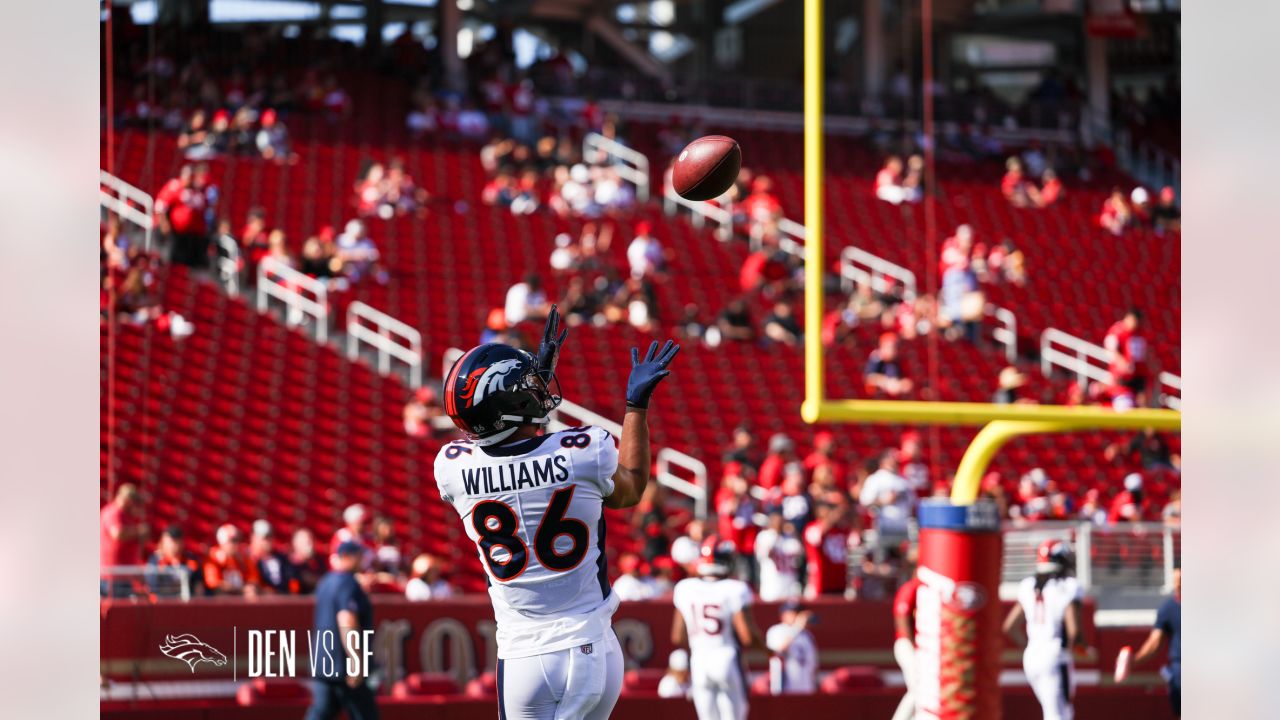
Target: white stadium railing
[121,580]
[1089,361]
[226,264]
[1006,331]
[389,337]
[1130,559]
[861,267]
[631,165]
[128,202]
[667,459]
[303,295]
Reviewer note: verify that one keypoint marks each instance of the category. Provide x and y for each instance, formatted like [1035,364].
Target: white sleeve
[776,638]
[606,459]
[869,492]
[441,473]
[740,598]
[764,544]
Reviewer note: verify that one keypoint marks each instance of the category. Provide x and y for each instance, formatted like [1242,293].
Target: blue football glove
[552,341]
[646,375]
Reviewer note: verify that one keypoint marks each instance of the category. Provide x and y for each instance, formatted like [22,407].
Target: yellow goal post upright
[958,638]
[1002,422]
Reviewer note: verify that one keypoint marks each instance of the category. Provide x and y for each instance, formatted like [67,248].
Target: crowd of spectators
[810,523]
[551,173]
[1120,214]
[387,191]
[260,564]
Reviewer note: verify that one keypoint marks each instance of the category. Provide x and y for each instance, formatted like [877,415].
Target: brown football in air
[707,167]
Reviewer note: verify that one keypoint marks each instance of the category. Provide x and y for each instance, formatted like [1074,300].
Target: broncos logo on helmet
[484,380]
[191,650]
[494,389]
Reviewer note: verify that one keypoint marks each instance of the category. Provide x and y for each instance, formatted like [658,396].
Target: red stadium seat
[484,686]
[272,692]
[423,684]
[851,679]
[643,681]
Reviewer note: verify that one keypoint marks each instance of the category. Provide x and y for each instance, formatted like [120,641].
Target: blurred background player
[1050,603]
[793,666]
[675,683]
[904,644]
[557,654]
[713,619]
[1168,628]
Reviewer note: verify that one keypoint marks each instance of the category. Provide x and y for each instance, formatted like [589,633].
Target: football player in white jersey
[1050,603]
[713,619]
[533,504]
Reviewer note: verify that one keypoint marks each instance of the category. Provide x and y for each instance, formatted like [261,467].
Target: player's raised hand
[646,375]
[553,337]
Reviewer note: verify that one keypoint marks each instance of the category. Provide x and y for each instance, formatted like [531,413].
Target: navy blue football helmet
[494,389]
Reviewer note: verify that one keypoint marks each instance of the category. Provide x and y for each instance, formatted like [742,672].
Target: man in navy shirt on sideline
[1168,627]
[342,607]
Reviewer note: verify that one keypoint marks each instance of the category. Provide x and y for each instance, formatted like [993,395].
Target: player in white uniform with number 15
[533,504]
[713,617]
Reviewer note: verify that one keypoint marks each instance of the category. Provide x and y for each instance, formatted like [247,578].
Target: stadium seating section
[247,419]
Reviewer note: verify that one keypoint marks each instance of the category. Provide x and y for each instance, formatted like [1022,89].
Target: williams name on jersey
[495,479]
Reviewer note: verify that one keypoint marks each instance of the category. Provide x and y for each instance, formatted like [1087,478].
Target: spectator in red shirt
[1051,189]
[1116,215]
[184,208]
[1128,350]
[123,532]
[1132,505]
[1014,185]
[763,209]
[782,450]
[911,461]
[823,455]
[228,570]
[888,185]
[737,510]
[957,251]
[826,542]
[253,238]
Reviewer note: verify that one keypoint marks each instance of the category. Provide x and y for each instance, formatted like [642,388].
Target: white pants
[719,684]
[904,651]
[574,684]
[1051,674]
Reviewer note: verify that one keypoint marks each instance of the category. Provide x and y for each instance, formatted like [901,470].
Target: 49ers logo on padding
[485,380]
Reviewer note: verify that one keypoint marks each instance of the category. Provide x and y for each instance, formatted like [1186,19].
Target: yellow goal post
[1002,422]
